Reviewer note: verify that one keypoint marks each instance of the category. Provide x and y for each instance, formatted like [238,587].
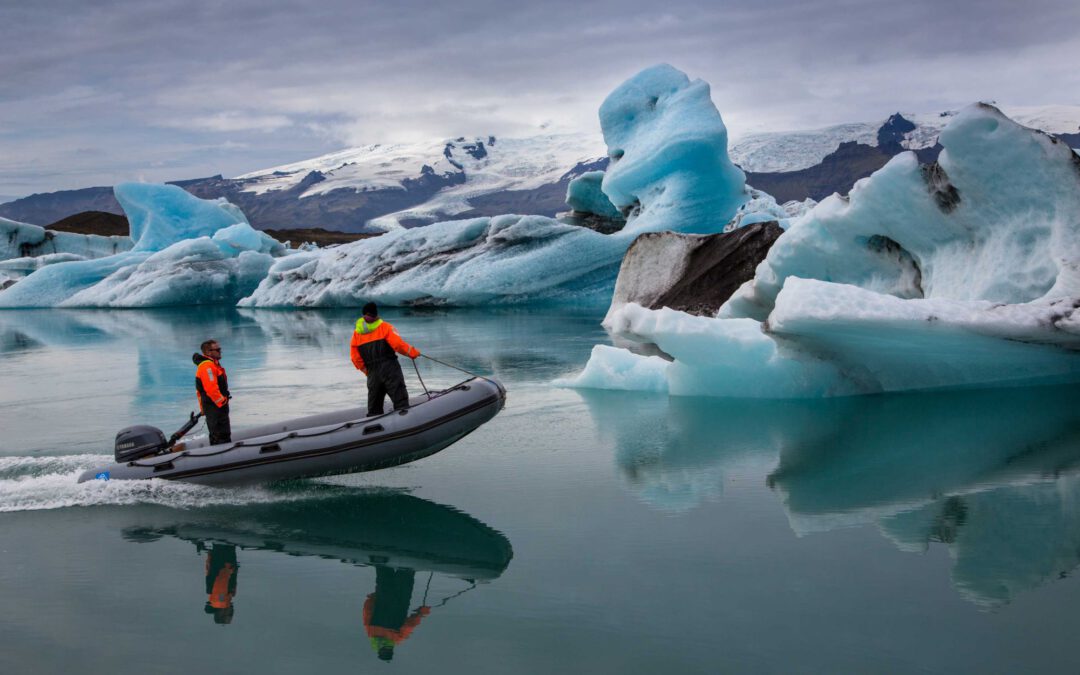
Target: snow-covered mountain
[786,151]
[380,187]
[472,169]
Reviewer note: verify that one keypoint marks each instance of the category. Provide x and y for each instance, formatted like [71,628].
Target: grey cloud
[204,87]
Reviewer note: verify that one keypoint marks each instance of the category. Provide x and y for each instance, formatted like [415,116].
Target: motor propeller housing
[139,441]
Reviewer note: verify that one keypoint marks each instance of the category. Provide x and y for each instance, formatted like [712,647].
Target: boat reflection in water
[394,532]
[992,474]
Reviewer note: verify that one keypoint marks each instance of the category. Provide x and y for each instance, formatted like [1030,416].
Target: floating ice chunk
[761,208]
[191,272]
[728,358]
[20,267]
[584,194]
[611,368]
[805,302]
[22,240]
[53,284]
[241,237]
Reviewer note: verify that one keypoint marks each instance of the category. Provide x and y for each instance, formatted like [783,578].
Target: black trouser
[385,377]
[217,423]
[393,592]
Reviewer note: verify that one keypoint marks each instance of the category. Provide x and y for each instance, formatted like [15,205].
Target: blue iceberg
[185,251]
[22,240]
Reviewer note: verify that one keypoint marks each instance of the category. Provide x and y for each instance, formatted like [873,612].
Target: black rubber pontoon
[345,441]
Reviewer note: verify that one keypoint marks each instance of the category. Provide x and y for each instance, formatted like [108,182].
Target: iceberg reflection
[994,475]
[675,451]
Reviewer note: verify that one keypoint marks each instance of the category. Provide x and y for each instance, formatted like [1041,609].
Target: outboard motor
[139,441]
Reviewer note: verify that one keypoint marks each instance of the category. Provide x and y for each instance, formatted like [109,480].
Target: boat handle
[272,447]
[374,428]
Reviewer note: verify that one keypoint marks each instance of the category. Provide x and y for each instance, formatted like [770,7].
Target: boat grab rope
[469,373]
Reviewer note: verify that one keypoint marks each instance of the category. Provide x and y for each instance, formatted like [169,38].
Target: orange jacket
[220,597]
[399,635]
[208,373]
[367,334]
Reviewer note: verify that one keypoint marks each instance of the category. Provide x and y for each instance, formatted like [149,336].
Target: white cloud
[230,121]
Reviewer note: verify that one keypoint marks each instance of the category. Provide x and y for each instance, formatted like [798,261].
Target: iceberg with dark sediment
[184,251]
[961,273]
[669,171]
[23,240]
[26,248]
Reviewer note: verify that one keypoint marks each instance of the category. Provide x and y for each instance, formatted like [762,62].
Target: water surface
[577,531]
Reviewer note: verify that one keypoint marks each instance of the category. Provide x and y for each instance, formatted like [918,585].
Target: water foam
[42,483]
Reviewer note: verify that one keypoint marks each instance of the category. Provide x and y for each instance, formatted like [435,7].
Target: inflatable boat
[345,441]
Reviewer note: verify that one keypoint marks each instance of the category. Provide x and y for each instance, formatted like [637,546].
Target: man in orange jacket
[212,386]
[372,350]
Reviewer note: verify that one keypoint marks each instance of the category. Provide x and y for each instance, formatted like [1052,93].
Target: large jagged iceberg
[961,273]
[185,251]
[669,171]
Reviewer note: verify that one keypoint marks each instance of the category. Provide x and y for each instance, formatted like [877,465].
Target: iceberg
[962,273]
[184,251]
[669,171]
[22,240]
[26,248]
[585,194]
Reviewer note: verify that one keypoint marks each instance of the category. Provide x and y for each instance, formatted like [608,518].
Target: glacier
[669,170]
[185,250]
[962,273]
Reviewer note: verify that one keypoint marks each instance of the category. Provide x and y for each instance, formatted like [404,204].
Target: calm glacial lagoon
[579,531]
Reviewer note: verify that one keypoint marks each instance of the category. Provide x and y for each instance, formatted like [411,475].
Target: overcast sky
[93,93]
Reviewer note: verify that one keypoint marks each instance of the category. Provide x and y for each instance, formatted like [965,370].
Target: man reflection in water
[221,570]
[386,611]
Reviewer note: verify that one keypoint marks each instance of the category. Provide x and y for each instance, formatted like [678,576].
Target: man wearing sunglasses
[212,386]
